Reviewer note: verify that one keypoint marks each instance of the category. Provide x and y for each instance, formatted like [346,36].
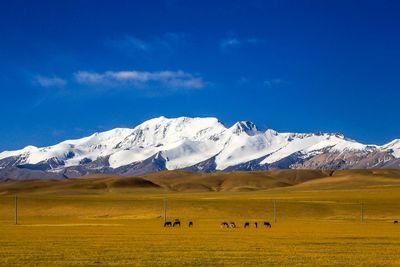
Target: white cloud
[53,81]
[236,42]
[132,45]
[131,78]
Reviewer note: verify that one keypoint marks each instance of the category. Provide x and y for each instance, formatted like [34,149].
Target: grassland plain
[318,224]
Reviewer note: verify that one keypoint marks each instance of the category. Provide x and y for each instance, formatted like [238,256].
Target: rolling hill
[183,181]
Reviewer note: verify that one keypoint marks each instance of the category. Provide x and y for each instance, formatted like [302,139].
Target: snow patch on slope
[25,150]
[309,144]
[394,146]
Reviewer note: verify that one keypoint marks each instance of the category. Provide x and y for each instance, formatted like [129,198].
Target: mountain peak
[244,127]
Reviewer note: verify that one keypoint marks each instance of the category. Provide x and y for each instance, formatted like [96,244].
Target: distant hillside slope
[183,181]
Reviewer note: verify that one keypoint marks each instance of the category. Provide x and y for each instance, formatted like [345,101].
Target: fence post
[274,211]
[165,209]
[16,209]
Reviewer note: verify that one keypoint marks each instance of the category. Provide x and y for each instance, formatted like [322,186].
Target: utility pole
[165,209]
[16,209]
[274,211]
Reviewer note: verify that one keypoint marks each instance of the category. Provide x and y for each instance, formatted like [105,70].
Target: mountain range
[197,145]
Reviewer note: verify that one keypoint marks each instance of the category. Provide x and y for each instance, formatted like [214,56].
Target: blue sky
[71,68]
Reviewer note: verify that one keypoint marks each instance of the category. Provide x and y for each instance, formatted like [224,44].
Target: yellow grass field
[318,224]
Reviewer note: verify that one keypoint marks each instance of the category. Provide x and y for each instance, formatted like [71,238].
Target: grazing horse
[246,225]
[232,224]
[176,223]
[256,224]
[267,224]
[167,224]
[190,224]
[224,225]
[396,222]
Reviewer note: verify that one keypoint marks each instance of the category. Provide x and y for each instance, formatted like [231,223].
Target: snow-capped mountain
[196,144]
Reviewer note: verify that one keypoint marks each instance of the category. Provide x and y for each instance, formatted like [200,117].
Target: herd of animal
[246,225]
[177,223]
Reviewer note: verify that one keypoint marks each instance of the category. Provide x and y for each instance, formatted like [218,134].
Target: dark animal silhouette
[176,223]
[267,224]
[190,224]
[396,222]
[246,225]
[256,224]
[167,224]
[232,224]
[224,225]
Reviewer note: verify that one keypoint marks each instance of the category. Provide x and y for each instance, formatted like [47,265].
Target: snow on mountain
[184,142]
[25,150]
[73,151]
[394,147]
[242,143]
[288,143]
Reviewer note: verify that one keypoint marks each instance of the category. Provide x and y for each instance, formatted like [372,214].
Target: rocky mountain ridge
[198,145]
